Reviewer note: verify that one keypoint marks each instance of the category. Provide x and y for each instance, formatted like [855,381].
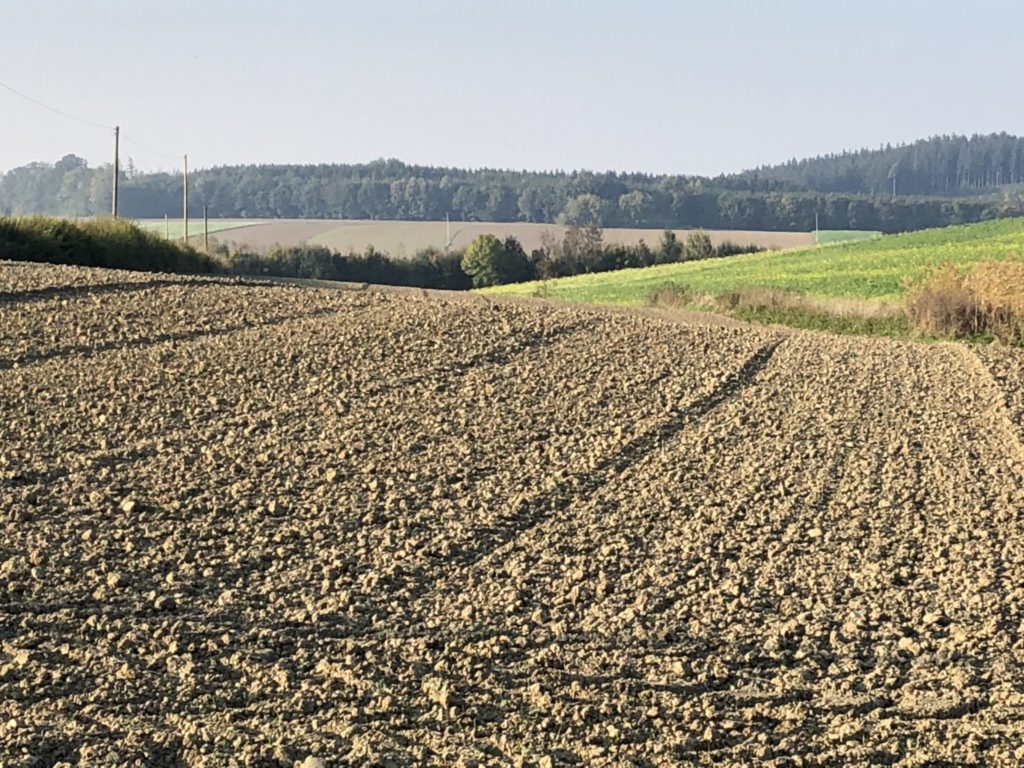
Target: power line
[117,137]
[70,116]
[60,112]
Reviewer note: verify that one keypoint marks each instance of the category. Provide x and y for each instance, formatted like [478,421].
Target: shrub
[952,303]
[698,246]
[669,250]
[942,305]
[429,268]
[729,248]
[489,261]
[998,290]
[111,243]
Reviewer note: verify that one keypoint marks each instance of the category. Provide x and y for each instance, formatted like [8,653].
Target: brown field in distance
[403,238]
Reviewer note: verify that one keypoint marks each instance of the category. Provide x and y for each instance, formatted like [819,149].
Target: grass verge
[782,307]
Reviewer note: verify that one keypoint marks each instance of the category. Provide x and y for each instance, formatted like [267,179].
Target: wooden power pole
[117,139]
[206,228]
[184,211]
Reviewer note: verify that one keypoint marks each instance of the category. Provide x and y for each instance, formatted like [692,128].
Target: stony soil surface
[277,526]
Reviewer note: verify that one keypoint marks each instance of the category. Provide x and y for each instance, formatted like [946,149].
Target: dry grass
[942,305]
[776,305]
[954,303]
[781,299]
[998,289]
[949,302]
[675,296]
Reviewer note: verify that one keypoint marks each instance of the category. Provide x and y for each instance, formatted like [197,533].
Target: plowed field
[267,525]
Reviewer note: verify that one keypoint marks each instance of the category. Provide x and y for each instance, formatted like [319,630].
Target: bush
[111,243]
[489,261]
[998,290]
[729,248]
[429,268]
[698,246]
[955,304]
[670,250]
[942,305]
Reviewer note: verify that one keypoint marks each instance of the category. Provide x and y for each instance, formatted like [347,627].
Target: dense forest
[941,165]
[939,181]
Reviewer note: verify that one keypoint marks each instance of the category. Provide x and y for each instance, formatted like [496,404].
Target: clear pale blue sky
[691,86]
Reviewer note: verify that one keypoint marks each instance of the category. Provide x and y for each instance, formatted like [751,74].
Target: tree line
[850,191]
[941,165]
[486,261]
[118,244]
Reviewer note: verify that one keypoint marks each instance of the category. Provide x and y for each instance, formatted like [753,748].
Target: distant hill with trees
[939,181]
[941,165]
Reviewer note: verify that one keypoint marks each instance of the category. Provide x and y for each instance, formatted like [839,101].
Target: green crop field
[870,269]
[826,236]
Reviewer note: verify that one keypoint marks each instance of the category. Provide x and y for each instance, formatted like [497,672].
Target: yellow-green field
[875,269]
[826,236]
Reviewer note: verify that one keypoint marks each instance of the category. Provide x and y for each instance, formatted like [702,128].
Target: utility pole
[816,238]
[167,228]
[447,233]
[206,228]
[117,139]
[184,210]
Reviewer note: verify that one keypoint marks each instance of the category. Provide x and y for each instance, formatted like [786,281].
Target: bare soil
[274,525]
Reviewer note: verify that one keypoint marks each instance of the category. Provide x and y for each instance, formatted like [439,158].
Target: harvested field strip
[404,238]
[407,529]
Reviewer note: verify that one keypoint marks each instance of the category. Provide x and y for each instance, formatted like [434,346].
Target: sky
[658,86]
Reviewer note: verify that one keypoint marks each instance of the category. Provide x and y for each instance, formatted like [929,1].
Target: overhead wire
[61,112]
[93,123]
